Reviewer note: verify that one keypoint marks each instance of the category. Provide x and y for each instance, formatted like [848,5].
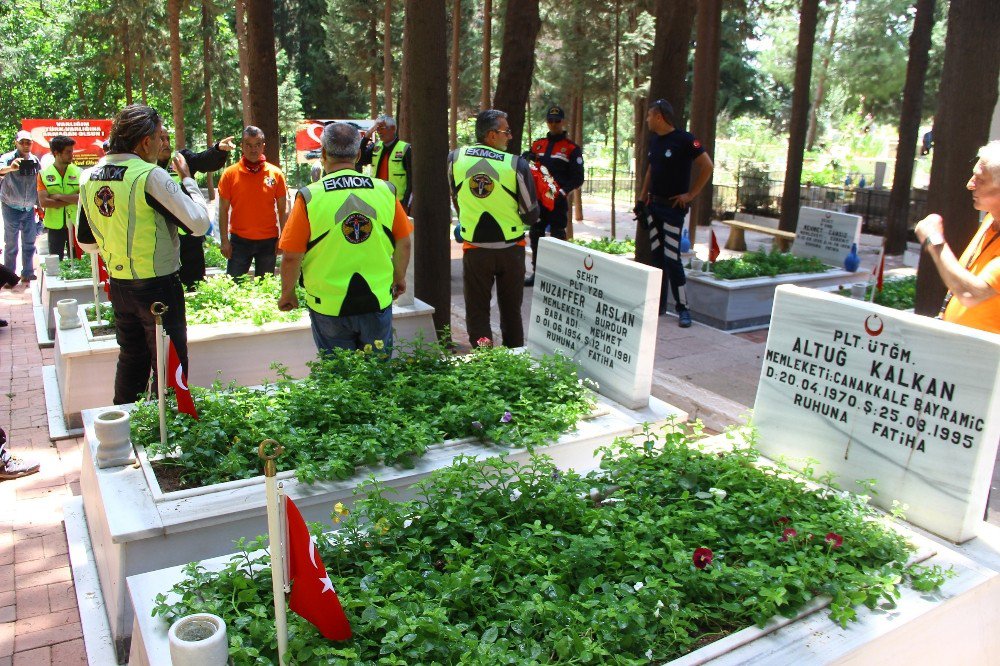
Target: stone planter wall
[134,527]
[732,305]
[243,353]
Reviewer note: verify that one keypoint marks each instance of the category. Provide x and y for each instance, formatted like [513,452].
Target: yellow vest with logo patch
[487,195]
[397,174]
[347,268]
[56,183]
[134,240]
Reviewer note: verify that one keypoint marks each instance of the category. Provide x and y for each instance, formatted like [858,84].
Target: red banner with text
[88,134]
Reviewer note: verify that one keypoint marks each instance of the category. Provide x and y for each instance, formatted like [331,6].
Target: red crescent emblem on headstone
[874,332]
[588,262]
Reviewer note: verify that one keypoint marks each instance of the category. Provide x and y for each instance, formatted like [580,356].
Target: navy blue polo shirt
[670,159]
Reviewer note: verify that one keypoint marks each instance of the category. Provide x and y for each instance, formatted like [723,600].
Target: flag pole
[94,274]
[158,309]
[876,271]
[274,538]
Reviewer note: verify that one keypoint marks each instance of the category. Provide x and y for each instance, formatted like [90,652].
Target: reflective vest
[347,269]
[56,183]
[135,241]
[397,174]
[487,195]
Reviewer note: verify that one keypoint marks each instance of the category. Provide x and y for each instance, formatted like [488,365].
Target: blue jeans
[19,225]
[352,331]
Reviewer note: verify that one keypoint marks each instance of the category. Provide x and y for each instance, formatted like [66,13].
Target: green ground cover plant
[220,298]
[609,245]
[75,269]
[362,408]
[213,255]
[663,549]
[896,294]
[766,264]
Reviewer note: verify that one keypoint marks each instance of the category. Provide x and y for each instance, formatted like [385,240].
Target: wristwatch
[933,239]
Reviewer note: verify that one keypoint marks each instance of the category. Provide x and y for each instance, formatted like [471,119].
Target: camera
[28,167]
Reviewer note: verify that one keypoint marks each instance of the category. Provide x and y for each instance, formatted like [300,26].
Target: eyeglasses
[506,131]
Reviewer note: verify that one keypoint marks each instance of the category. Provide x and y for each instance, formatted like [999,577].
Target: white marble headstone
[826,235]
[874,393]
[601,311]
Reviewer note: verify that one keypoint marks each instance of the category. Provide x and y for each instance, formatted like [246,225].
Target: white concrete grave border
[134,527]
[955,624]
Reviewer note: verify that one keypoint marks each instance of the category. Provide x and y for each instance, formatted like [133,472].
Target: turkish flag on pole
[313,596]
[880,270]
[177,380]
[713,248]
[102,275]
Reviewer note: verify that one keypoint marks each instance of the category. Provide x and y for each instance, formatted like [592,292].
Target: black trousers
[135,329]
[665,252]
[59,242]
[554,219]
[192,260]
[480,269]
[263,254]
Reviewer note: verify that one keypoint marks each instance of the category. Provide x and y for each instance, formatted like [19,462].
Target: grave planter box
[230,352]
[133,527]
[950,625]
[746,304]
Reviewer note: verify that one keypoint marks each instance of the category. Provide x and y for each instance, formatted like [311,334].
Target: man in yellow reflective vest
[390,158]
[58,194]
[494,194]
[130,212]
[348,238]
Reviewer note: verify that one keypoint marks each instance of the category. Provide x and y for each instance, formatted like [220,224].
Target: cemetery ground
[709,373]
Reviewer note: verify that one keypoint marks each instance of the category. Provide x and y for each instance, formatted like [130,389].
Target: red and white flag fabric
[102,275]
[713,248]
[879,270]
[313,596]
[177,380]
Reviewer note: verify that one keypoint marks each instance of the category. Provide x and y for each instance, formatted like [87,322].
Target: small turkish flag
[313,596]
[713,248]
[177,380]
[102,275]
[879,270]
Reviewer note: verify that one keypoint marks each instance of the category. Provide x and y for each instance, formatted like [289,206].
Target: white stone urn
[114,446]
[199,640]
[696,264]
[52,265]
[858,290]
[69,315]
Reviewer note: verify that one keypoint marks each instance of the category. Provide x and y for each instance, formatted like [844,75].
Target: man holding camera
[18,198]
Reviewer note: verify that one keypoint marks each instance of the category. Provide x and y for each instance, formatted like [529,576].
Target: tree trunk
[176,93]
[615,89]
[142,80]
[387,57]
[486,94]
[909,127]
[84,106]
[244,58]
[578,140]
[206,50]
[427,25]
[706,90]
[821,79]
[808,18]
[127,57]
[517,63]
[403,122]
[971,63]
[456,31]
[372,72]
[264,82]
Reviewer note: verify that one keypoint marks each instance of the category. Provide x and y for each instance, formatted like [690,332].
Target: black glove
[642,215]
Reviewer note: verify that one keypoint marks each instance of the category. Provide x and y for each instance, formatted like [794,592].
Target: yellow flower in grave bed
[382,526]
[379,345]
[368,349]
[339,512]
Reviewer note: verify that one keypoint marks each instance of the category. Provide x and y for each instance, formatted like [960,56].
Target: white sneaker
[15,468]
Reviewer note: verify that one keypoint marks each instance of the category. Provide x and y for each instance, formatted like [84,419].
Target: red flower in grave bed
[789,533]
[834,540]
[784,520]
[702,557]
[484,342]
